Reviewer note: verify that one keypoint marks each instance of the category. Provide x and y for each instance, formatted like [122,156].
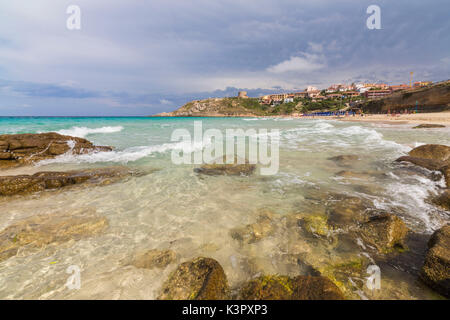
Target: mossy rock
[339,273]
[436,269]
[197,279]
[275,287]
[386,232]
[317,224]
[239,167]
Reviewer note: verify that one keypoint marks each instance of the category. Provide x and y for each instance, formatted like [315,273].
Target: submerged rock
[274,287]
[428,125]
[345,210]
[345,160]
[24,184]
[198,279]
[154,259]
[20,149]
[386,232]
[263,227]
[316,224]
[237,168]
[40,231]
[436,269]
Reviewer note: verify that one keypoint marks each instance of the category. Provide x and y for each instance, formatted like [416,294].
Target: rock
[274,287]
[345,160]
[40,231]
[345,210]
[432,151]
[20,149]
[436,269]
[428,125]
[446,172]
[251,233]
[234,169]
[429,164]
[316,224]
[24,184]
[154,259]
[198,279]
[386,232]
[443,200]
[359,175]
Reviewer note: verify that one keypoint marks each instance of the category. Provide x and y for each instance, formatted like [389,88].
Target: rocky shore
[330,246]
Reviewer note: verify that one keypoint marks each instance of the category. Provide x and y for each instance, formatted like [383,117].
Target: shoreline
[442,118]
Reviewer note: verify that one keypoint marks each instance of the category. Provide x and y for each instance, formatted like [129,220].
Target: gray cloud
[133,57]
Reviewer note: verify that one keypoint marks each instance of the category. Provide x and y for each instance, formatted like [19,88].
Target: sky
[137,58]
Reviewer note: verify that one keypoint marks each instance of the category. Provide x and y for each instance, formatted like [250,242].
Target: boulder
[345,160]
[443,200]
[197,279]
[386,232]
[432,151]
[446,172]
[154,259]
[429,164]
[274,287]
[39,231]
[436,269]
[25,184]
[428,126]
[20,149]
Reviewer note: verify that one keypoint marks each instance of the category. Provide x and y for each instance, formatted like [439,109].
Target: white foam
[124,156]
[82,132]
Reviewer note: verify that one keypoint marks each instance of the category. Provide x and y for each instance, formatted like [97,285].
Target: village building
[373,94]
[419,84]
[242,94]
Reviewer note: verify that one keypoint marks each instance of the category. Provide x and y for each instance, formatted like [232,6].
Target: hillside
[228,107]
[429,99]
[239,107]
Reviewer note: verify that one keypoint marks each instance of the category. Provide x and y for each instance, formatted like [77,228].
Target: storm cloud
[142,57]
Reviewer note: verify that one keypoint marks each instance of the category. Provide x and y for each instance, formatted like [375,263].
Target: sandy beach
[418,118]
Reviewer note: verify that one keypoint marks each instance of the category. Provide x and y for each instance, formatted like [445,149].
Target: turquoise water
[172,207]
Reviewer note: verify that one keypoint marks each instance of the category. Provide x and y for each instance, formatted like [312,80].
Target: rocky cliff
[219,107]
[429,99]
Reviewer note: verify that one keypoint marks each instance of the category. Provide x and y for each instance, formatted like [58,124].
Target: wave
[123,156]
[82,132]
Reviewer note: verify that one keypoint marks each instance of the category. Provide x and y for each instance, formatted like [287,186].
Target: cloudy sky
[134,57]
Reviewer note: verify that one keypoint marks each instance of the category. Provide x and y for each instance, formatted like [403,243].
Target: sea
[173,207]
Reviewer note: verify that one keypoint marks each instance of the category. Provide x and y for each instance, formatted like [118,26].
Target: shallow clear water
[175,208]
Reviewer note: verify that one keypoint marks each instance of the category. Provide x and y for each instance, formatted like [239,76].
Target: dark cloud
[136,57]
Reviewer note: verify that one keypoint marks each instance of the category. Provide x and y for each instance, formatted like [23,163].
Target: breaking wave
[82,132]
